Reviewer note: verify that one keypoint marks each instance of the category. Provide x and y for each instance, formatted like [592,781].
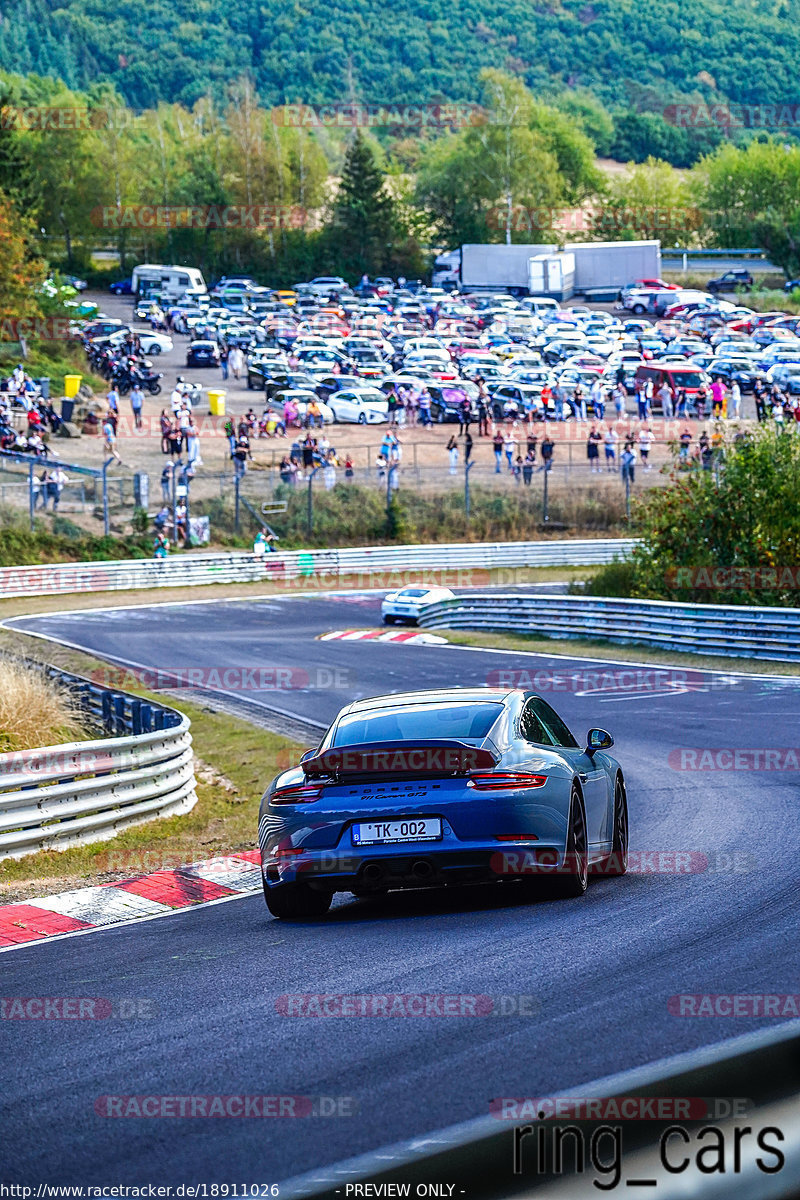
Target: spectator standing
[735,404]
[546,450]
[593,449]
[166,429]
[610,438]
[56,479]
[452,450]
[235,361]
[483,414]
[240,453]
[645,439]
[509,446]
[223,360]
[110,439]
[464,415]
[468,442]
[137,402]
[497,441]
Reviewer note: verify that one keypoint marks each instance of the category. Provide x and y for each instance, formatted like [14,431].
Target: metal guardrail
[330,565]
[772,634]
[487,1159]
[67,795]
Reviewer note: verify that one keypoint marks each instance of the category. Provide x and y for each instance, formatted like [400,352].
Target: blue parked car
[425,789]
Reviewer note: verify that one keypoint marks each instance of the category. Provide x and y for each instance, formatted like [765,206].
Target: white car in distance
[408,603]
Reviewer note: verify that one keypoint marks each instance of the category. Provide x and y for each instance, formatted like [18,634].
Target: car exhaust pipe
[422,869]
[372,873]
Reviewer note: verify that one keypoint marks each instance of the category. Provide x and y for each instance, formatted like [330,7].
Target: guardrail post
[108,711]
[146,717]
[136,716]
[119,713]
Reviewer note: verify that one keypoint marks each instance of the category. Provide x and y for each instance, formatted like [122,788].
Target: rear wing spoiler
[429,758]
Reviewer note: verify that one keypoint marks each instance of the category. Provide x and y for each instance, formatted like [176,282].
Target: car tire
[572,879]
[154,349]
[389,620]
[362,418]
[639,310]
[296,901]
[616,863]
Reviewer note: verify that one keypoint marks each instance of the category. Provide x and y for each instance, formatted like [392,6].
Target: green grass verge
[611,651]
[236,762]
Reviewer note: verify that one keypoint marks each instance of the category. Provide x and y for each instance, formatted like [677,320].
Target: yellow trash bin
[216,403]
[71,385]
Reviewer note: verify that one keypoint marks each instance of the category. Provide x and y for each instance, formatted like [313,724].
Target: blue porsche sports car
[429,788]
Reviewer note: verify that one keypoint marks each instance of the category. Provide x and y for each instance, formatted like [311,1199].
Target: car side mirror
[598,739]
[308,753]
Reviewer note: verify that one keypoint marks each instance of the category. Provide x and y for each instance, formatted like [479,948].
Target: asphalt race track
[600,970]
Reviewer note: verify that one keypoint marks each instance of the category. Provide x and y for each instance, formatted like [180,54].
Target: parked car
[359,406]
[739,279]
[447,401]
[302,397]
[515,399]
[202,354]
[122,287]
[742,369]
[680,376]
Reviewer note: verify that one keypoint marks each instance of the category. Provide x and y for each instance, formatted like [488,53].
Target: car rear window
[463,721]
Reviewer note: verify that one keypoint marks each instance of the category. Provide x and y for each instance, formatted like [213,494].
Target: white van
[540,306]
[172,283]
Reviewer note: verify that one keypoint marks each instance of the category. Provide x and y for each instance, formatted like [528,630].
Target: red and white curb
[141,896]
[409,636]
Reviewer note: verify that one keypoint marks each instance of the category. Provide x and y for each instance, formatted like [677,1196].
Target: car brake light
[516,837]
[499,781]
[300,793]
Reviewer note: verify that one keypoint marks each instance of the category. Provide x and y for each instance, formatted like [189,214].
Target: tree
[509,175]
[21,270]
[652,200]
[751,197]
[364,221]
[726,536]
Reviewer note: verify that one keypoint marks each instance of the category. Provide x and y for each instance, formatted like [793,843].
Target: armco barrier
[772,634]
[197,569]
[485,1159]
[67,795]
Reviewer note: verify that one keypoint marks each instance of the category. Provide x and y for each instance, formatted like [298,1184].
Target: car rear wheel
[294,901]
[573,877]
[617,862]
[362,418]
[389,620]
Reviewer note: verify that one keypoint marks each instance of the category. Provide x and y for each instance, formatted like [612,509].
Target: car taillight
[505,781]
[301,793]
